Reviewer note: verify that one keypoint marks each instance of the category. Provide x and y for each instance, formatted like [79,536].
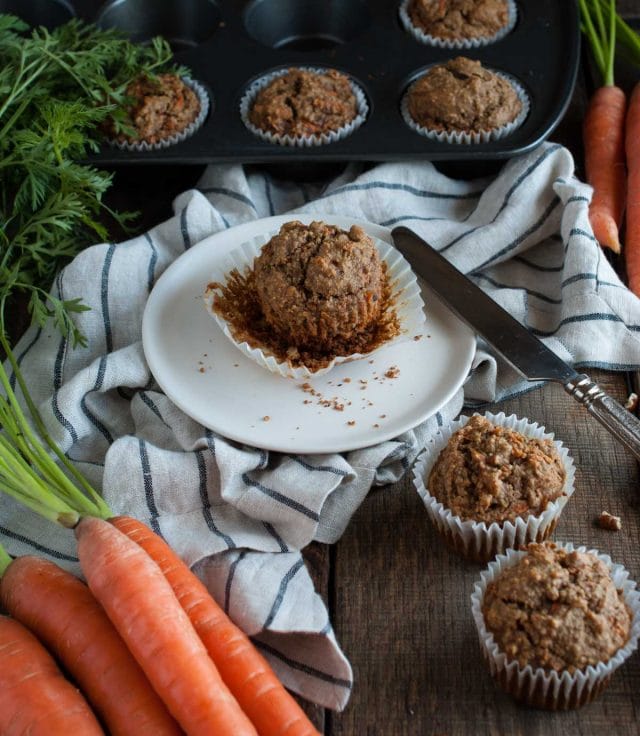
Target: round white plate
[205,375]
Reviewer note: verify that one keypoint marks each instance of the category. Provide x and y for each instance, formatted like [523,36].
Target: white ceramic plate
[204,374]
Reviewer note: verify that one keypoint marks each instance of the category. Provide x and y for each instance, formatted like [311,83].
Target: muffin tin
[228,44]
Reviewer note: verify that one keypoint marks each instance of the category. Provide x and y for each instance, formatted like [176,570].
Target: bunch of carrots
[612,138]
[141,649]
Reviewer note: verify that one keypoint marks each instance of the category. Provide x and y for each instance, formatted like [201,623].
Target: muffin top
[557,610]
[318,285]
[161,107]
[495,474]
[304,103]
[461,95]
[459,19]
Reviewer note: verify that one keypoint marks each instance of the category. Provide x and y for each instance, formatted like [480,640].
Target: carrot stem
[5,560]
[28,461]
[592,35]
[101,508]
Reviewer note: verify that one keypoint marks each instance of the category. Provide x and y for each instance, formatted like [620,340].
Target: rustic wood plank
[402,609]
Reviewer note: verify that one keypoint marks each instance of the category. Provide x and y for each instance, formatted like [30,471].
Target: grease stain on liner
[246,103]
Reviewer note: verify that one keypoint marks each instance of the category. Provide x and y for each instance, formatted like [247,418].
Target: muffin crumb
[609,521]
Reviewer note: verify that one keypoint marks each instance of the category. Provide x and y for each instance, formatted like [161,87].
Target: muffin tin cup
[478,541]
[203,98]
[459,137]
[248,98]
[548,689]
[405,293]
[464,43]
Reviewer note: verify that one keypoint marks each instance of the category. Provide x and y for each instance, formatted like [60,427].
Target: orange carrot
[62,612]
[603,130]
[272,710]
[632,230]
[35,698]
[604,163]
[143,608]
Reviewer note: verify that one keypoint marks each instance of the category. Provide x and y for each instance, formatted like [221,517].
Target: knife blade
[512,340]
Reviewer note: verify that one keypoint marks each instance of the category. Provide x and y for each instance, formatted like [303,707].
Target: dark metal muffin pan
[228,43]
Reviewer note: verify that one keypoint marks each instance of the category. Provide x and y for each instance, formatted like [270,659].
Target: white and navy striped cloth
[237,513]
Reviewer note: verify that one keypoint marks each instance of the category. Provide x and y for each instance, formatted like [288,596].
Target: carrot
[35,698]
[632,230]
[143,608]
[61,611]
[271,708]
[603,130]
[605,163]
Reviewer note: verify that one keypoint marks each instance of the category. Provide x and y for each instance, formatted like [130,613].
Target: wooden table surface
[399,600]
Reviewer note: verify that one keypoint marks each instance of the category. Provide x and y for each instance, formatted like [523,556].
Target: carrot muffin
[313,296]
[456,20]
[304,103]
[557,610]
[461,96]
[555,622]
[319,286]
[490,483]
[494,474]
[161,108]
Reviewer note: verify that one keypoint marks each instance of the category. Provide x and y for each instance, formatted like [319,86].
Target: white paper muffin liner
[469,137]
[477,540]
[460,43]
[407,302]
[246,103]
[203,97]
[549,689]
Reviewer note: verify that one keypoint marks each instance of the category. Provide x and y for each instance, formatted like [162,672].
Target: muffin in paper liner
[205,104]
[456,43]
[248,98]
[476,540]
[461,137]
[406,299]
[551,689]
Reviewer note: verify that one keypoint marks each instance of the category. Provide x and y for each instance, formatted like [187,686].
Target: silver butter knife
[526,353]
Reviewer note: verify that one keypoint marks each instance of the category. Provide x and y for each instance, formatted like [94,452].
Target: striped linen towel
[237,514]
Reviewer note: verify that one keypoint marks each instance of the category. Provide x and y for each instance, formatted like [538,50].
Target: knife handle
[622,424]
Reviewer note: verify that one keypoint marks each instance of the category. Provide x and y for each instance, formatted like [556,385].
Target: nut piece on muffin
[319,286]
[455,20]
[462,96]
[492,473]
[304,103]
[556,609]
[162,107]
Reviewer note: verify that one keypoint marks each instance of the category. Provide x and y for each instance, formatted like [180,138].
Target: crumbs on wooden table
[609,521]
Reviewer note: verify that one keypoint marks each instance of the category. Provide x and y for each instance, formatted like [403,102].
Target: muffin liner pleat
[205,104]
[476,540]
[461,137]
[406,296]
[549,689]
[248,98]
[460,43]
